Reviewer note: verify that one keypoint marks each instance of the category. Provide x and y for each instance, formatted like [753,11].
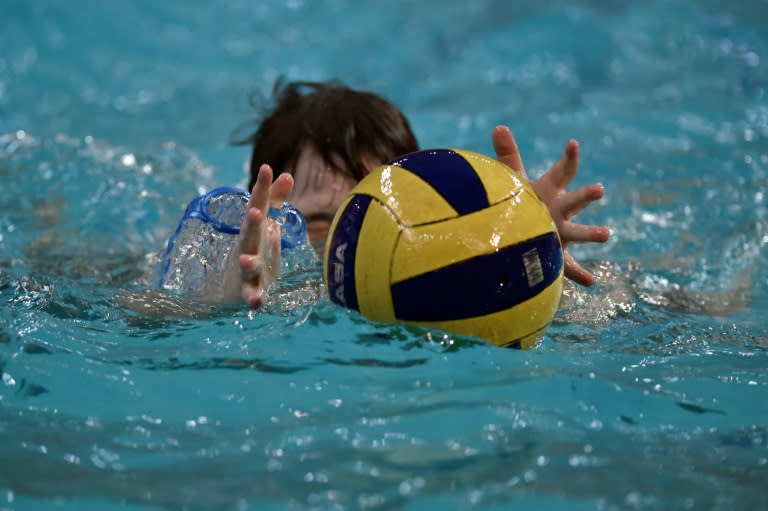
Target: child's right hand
[562,204]
[260,236]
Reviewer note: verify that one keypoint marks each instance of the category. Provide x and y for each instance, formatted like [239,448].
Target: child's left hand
[260,236]
[562,204]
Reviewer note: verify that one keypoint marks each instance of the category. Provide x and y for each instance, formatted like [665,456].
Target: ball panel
[500,182]
[411,199]
[425,248]
[452,176]
[482,285]
[379,233]
[518,326]
[340,260]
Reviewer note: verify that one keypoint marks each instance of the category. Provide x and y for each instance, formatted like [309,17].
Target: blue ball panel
[341,255]
[481,285]
[450,175]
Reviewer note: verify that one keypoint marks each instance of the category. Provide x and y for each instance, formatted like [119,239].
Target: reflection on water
[339,457]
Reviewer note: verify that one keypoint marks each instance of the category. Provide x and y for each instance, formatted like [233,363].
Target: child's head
[343,125]
[329,137]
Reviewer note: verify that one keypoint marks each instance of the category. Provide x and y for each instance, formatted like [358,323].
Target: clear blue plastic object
[293,225]
[197,252]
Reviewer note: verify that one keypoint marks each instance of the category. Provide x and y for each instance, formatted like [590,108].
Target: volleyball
[449,239]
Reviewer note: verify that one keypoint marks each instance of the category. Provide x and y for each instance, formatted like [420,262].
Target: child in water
[324,138]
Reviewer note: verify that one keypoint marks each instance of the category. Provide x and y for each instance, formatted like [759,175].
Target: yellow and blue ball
[450,239]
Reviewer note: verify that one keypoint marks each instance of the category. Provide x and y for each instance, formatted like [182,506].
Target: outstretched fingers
[250,231]
[256,211]
[571,203]
[562,204]
[281,189]
[259,268]
[579,233]
[262,188]
[260,237]
[253,296]
[563,172]
[507,152]
[574,271]
[250,260]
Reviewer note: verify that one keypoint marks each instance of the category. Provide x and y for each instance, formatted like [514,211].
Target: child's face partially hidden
[319,190]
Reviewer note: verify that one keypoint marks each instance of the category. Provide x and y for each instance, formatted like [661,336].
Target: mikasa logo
[338,273]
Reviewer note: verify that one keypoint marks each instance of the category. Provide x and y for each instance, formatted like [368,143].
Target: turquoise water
[648,392]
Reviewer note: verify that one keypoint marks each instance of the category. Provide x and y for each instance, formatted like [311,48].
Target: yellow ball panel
[428,247]
[378,234]
[499,181]
[410,199]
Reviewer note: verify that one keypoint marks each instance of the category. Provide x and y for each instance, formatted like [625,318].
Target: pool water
[648,392]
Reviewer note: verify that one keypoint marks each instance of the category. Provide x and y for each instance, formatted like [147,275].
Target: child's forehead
[312,172]
[311,160]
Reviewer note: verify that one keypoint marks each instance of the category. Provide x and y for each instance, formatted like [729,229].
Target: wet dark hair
[336,120]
